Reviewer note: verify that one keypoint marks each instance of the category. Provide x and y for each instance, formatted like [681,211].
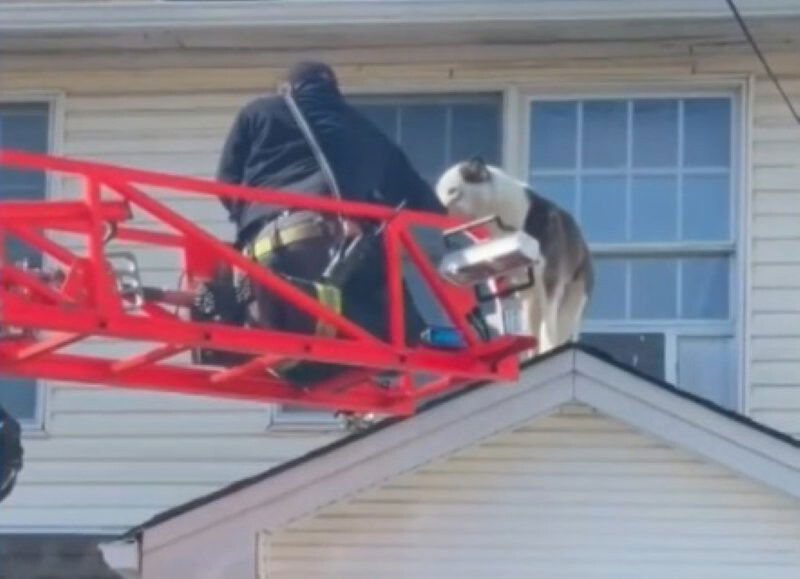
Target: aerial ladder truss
[49,315]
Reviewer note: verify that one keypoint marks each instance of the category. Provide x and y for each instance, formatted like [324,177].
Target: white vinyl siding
[169,111]
[572,495]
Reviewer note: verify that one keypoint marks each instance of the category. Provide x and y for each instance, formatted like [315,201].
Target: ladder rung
[151,357]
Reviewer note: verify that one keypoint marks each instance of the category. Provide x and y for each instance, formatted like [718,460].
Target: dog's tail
[585,270]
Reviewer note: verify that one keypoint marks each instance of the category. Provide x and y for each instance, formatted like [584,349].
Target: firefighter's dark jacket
[10,452]
[265,148]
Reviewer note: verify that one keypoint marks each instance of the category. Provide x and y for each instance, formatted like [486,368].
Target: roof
[40,556]
[592,362]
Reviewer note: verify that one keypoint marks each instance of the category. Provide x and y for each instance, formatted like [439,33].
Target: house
[584,468]
[652,122]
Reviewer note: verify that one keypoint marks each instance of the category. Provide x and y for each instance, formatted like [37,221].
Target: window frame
[55,144]
[739,91]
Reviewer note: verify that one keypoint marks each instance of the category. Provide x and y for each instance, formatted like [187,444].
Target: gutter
[87,16]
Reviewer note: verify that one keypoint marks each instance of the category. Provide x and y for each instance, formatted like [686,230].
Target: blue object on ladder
[443,337]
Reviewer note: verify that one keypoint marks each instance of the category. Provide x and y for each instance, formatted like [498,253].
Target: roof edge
[87,16]
[450,397]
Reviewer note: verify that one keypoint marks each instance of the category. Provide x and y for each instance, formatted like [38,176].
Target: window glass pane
[603,209]
[553,131]
[604,137]
[608,297]
[560,190]
[23,127]
[384,117]
[706,368]
[705,292]
[437,131]
[707,132]
[645,352]
[18,396]
[654,208]
[16,252]
[653,288]
[475,131]
[422,135]
[706,212]
[655,133]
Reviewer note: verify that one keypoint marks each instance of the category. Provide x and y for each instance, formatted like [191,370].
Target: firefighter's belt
[277,237]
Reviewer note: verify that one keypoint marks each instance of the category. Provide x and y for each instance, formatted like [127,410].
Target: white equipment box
[500,256]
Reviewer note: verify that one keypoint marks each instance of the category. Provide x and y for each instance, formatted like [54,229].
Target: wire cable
[770,73]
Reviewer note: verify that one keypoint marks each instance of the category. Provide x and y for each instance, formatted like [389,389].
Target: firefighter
[309,140]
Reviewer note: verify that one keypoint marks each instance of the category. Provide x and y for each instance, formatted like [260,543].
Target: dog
[564,278]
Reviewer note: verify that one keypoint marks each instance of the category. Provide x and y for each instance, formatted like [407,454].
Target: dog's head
[467,188]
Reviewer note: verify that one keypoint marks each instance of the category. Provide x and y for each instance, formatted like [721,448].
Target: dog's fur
[564,279]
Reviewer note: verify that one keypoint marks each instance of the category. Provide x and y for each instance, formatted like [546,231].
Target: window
[435,132]
[23,126]
[652,182]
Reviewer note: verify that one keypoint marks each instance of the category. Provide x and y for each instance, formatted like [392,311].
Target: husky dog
[564,278]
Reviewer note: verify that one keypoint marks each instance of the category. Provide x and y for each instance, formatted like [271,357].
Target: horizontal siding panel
[537,438]
[783,397]
[643,498]
[776,300]
[551,567]
[776,275]
[776,372]
[68,518]
[264,448]
[776,325]
[769,153]
[377,546]
[628,522]
[381,546]
[154,120]
[424,481]
[187,164]
[548,512]
[175,472]
[144,424]
[775,348]
[775,251]
[778,203]
[163,101]
[107,400]
[673,466]
[575,453]
[776,226]
[103,495]
[105,144]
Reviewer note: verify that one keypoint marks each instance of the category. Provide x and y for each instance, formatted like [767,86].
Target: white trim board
[235,516]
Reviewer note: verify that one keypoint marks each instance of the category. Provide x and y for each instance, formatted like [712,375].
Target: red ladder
[44,316]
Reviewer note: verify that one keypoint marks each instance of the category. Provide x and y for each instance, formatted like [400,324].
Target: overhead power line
[770,73]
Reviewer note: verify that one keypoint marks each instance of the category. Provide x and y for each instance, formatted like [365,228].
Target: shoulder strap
[286,93]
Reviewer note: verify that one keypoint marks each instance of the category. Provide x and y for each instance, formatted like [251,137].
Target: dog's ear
[475,171]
